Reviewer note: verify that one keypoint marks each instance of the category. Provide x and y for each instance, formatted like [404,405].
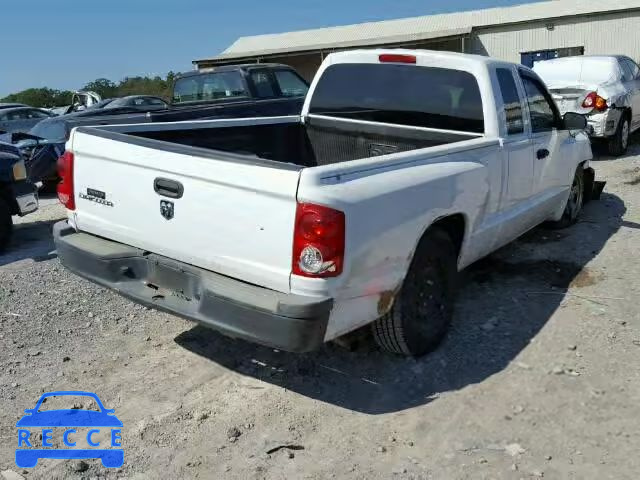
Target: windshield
[573,71]
[211,86]
[401,94]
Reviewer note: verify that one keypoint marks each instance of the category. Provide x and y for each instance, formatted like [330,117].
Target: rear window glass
[401,94]
[212,86]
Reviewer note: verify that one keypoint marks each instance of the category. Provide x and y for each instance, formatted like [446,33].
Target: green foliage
[40,97]
[46,97]
[103,87]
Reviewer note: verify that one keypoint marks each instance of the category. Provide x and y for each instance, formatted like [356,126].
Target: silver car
[21,119]
[604,88]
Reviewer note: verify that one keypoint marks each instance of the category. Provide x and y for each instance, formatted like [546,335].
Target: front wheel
[422,309]
[6,225]
[574,203]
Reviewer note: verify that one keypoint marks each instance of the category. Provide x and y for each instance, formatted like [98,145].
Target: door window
[511,101]
[37,114]
[543,113]
[18,115]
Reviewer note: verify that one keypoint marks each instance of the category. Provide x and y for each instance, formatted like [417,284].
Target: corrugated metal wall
[599,34]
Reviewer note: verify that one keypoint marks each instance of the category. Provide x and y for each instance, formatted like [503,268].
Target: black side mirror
[574,121]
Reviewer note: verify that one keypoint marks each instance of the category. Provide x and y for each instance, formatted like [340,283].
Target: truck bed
[317,141]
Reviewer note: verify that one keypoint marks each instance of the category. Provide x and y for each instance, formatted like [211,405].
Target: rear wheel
[422,309]
[6,225]
[619,143]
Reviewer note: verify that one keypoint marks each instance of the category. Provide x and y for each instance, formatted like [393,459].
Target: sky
[64,44]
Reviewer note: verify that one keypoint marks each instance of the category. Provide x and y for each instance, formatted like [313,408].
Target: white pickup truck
[403,168]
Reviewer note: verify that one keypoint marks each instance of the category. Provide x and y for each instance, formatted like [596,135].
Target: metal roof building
[521,33]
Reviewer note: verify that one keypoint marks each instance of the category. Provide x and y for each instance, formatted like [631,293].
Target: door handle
[542,153]
[168,188]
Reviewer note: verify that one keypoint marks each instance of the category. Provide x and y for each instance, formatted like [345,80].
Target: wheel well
[455,226]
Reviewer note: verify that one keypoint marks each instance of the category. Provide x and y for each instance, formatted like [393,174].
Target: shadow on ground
[600,151]
[505,300]
[32,240]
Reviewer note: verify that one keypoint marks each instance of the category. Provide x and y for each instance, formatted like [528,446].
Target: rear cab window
[431,97]
[209,86]
[263,83]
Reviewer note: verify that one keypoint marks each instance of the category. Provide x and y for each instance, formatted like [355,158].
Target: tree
[40,97]
[103,87]
[47,97]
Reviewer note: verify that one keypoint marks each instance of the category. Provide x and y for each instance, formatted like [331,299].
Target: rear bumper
[604,124]
[289,322]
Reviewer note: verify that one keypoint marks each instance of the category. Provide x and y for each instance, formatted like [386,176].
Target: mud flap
[592,188]
[598,187]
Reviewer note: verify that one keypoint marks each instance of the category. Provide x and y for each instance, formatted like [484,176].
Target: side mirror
[574,121]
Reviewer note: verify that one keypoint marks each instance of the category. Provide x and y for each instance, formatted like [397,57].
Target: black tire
[574,203]
[6,225]
[421,312]
[619,143]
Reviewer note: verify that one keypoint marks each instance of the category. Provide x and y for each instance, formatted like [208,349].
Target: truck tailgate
[234,216]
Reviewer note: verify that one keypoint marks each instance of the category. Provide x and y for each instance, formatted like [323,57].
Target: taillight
[65,186]
[318,241]
[397,58]
[595,101]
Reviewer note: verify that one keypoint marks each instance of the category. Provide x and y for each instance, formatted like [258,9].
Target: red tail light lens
[318,241]
[65,186]
[595,101]
[396,58]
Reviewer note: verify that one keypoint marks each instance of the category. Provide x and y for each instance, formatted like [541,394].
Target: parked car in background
[17,195]
[403,167]
[22,119]
[11,105]
[605,88]
[255,90]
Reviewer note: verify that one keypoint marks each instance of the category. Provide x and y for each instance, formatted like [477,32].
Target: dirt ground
[539,376]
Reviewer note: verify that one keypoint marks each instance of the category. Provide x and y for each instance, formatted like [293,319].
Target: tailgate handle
[168,188]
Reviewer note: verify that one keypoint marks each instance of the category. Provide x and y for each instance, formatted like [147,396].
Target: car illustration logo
[68,420]
[166,209]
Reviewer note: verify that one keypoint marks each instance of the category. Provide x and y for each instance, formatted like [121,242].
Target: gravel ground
[538,378]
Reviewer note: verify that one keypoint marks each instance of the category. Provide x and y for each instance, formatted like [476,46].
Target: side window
[630,69]
[291,85]
[262,83]
[511,100]
[18,115]
[37,114]
[627,75]
[544,116]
